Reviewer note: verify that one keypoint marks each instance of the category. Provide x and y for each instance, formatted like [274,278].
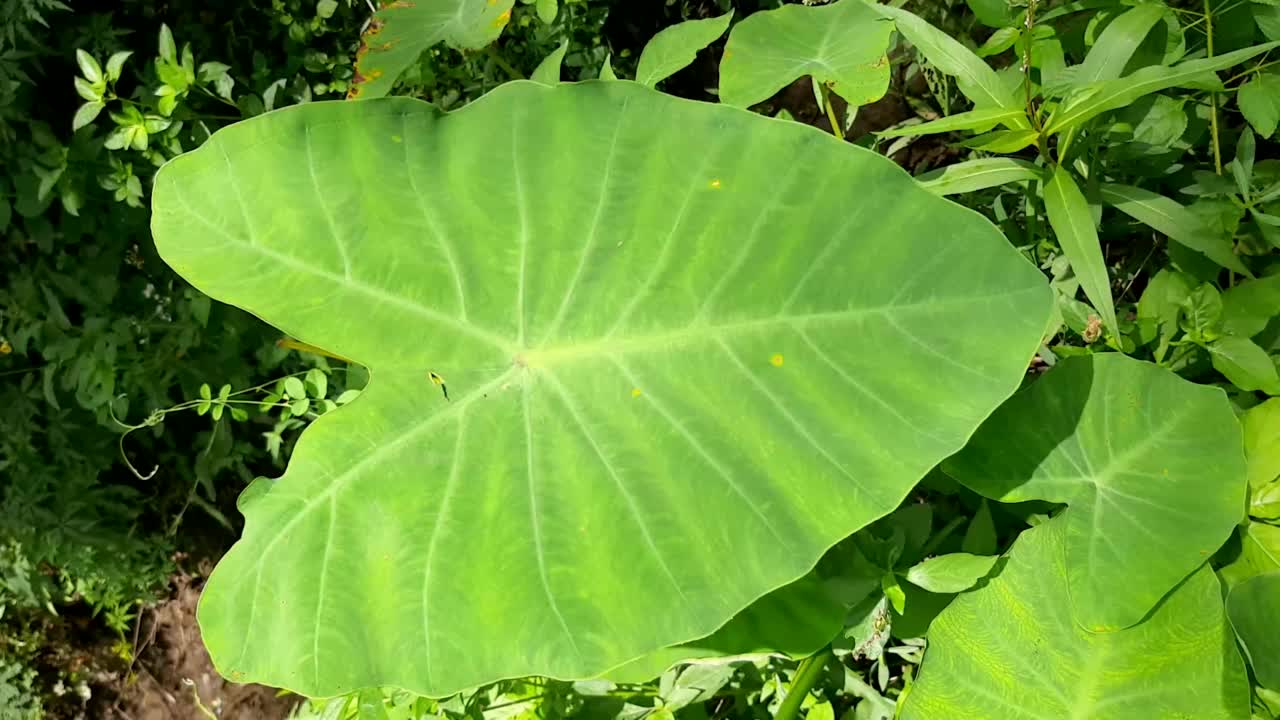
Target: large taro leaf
[844,44]
[1012,651]
[400,31]
[1151,465]
[680,370]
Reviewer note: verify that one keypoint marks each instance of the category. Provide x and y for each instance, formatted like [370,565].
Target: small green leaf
[1242,165]
[87,91]
[980,174]
[1000,40]
[347,396]
[239,414]
[821,711]
[1087,103]
[1262,443]
[1202,313]
[89,67]
[1175,221]
[974,77]
[217,411]
[548,71]
[1002,141]
[606,69]
[1117,43]
[547,10]
[1254,606]
[205,392]
[1160,307]
[86,114]
[951,573]
[294,388]
[980,537]
[299,406]
[842,45]
[971,120]
[893,591]
[168,50]
[1249,306]
[672,49]
[1072,223]
[326,8]
[115,64]
[317,383]
[1246,365]
[993,13]
[1259,101]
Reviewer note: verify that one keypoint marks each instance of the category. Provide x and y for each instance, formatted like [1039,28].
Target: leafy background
[134,411]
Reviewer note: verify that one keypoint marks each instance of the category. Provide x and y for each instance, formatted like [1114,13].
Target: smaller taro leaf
[794,620]
[548,71]
[1254,606]
[951,573]
[1262,443]
[843,44]
[401,31]
[1151,467]
[673,49]
[1259,553]
[980,536]
[1013,650]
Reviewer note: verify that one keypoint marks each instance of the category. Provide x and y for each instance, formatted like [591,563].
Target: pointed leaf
[89,67]
[951,573]
[1012,650]
[1117,43]
[980,536]
[1245,364]
[1259,101]
[1098,98]
[974,77]
[601,286]
[548,71]
[843,44]
[401,31]
[1073,226]
[1151,466]
[1175,221]
[675,47]
[974,175]
[972,120]
[606,69]
[1259,553]
[86,115]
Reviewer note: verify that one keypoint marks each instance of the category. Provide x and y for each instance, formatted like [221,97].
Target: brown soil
[171,669]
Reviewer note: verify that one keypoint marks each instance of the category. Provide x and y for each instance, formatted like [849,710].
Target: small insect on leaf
[435,378]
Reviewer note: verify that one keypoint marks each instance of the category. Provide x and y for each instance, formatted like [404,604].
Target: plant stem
[941,536]
[806,677]
[836,128]
[1026,67]
[1213,96]
[502,63]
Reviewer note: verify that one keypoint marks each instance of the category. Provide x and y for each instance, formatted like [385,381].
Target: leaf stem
[941,536]
[806,677]
[1213,96]
[836,128]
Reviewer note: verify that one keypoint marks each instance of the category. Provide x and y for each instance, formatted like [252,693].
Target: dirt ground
[172,669]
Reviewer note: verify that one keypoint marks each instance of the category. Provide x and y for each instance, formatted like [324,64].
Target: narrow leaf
[1002,141]
[971,120]
[1096,99]
[1112,50]
[673,49]
[1073,225]
[980,536]
[1175,221]
[89,67]
[978,175]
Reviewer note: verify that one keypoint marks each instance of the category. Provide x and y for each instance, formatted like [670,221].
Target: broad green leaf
[547,10]
[796,620]
[972,120]
[1013,650]
[1000,40]
[974,77]
[843,44]
[1259,100]
[1117,43]
[401,31]
[1096,99]
[1262,443]
[980,174]
[1072,223]
[671,50]
[548,71]
[951,573]
[1160,307]
[1254,607]
[1151,465]
[638,318]
[1245,364]
[1175,221]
